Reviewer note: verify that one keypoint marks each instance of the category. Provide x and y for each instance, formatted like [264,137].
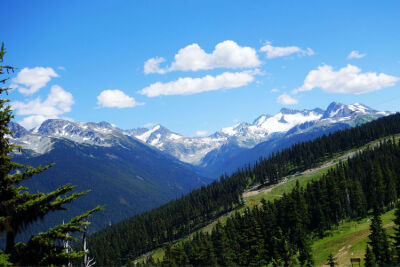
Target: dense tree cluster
[280,232]
[383,249]
[128,239]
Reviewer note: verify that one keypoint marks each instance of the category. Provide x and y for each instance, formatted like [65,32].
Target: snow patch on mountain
[192,149]
[247,135]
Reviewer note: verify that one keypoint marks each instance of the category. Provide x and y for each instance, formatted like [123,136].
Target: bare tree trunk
[87,261]
[85,257]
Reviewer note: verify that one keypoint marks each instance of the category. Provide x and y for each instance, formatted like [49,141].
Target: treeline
[280,232]
[128,239]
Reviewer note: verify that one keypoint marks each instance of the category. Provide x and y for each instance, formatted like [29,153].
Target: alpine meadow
[200,133]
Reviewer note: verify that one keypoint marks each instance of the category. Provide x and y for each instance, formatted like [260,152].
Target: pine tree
[19,208]
[379,240]
[370,260]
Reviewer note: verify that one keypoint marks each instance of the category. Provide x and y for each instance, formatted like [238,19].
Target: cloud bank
[283,51]
[57,103]
[201,133]
[347,80]
[355,54]
[116,99]
[189,86]
[227,54]
[286,99]
[29,81]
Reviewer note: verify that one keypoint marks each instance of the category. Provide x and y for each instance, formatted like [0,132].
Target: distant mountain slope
[234,146]
[300,133]
[123,173]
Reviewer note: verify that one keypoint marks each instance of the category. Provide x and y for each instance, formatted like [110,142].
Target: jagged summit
[339,110]
[17,129]
[261,119]
[194,149]
[247,135]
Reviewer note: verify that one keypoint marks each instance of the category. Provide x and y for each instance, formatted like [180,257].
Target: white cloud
[189,86]
[286,99]
[348,80]
[153,65]
[355,54]
[57,102]
[116,99]
[276,51]
[274,90]
[227,54]
[201,133]
[29,81]
[34,121]
[148,125]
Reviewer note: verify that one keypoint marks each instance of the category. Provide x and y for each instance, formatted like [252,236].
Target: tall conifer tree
[379,241]
[19,208]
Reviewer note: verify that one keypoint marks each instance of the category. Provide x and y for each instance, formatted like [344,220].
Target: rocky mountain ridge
[194,150]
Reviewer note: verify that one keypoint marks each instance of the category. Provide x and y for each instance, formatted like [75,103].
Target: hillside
[299,157]
[321,247]
[282,231]
[122,173]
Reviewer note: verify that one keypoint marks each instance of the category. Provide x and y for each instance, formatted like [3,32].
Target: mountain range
[134,170]
[122,173]
[243,143]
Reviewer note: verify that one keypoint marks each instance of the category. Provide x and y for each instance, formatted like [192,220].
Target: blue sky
[212,63]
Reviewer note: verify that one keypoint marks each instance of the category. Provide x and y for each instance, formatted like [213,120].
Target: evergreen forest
[279,232]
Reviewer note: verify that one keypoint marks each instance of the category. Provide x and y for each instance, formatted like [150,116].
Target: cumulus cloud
[153,65]
[34,121]
[274,90]
[227,54]
[355,54]
[286,99]
[189,86]
[148,125]
[57,103]
[276,51]
[116,99]
[29,81]
[347,80]
[201,133]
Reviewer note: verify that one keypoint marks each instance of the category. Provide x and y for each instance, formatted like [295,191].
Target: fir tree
[379,241]
[19,208]
[370,260]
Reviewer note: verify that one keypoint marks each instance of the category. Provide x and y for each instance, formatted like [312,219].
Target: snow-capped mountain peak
[259,120]
[17,129]
[101,133]
[339,110]
[153,136]
[194,149]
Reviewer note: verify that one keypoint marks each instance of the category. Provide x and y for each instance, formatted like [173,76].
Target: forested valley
[279,232]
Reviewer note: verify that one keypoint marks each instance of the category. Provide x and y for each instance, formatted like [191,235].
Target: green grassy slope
[349,240]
